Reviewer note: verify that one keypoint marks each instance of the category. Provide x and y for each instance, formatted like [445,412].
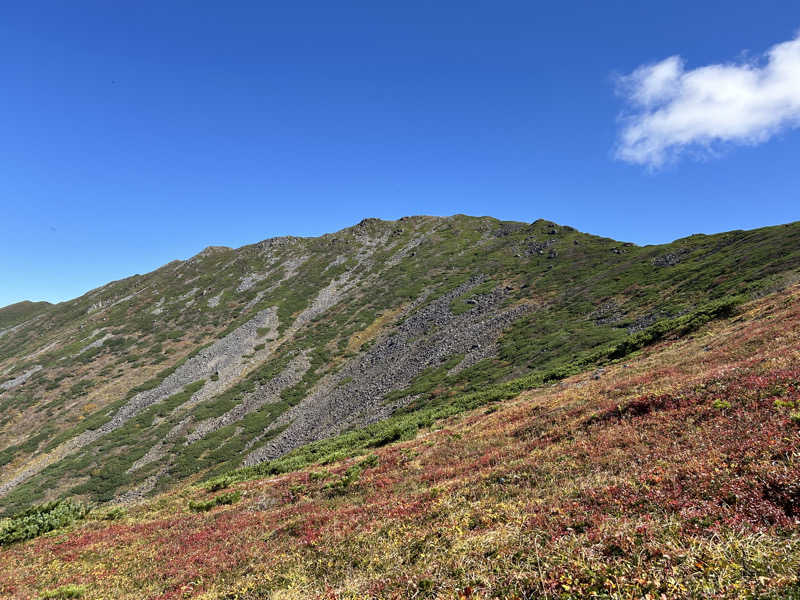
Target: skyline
[135,135]
[331,232]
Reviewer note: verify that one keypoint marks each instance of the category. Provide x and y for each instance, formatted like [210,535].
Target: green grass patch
[65,592]
[206,505]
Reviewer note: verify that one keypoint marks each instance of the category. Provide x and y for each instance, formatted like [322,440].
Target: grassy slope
[14,314]
[670,474]
[587,291]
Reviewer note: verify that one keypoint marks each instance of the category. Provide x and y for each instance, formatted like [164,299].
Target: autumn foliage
[672,474]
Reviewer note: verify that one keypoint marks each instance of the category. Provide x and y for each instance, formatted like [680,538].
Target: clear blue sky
[134,133]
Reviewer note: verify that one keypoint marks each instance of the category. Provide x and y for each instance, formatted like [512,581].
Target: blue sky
[134,133]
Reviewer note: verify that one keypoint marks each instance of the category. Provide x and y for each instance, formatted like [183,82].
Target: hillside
[14,314]
[237,357]
[672,473]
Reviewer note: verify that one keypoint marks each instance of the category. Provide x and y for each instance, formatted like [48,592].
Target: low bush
[113,514]
[40,519]
[206,505]
[351,476]
[64,592]
[218,483]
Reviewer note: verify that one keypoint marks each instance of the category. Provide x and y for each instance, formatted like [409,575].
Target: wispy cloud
[672,110]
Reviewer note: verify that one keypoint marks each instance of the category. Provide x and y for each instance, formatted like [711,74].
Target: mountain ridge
[217,247]
[355,325]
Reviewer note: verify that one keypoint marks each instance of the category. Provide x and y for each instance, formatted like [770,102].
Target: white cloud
[674,110]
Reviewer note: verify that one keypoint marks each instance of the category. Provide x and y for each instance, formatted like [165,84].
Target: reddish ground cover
[673,474]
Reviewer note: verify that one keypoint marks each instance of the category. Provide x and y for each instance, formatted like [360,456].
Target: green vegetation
[64,592]
[678,326]
[206,505]
[219,483]
[81,387]
[350,477]
[39,520]
[114,513]
[21,311]
[26,447]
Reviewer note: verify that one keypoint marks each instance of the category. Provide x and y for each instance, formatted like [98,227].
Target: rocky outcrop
[534,247]
[670,259]
[18,381]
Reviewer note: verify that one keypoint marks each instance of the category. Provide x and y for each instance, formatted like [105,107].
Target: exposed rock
[18,381]
[96,344]
[264,394]
[507,229]
[213,302]
[159,307]
[671,258]
[190,293]
[290,267]
[533,247]
[276,242]
[98,305]
[607,313]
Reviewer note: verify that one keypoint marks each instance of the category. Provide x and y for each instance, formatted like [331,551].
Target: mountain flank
[15,314]
[261,355]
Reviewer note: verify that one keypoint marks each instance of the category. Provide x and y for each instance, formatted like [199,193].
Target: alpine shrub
[40,519]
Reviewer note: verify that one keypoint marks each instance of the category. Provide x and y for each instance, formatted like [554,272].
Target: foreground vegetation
[671,473]
[39,520]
